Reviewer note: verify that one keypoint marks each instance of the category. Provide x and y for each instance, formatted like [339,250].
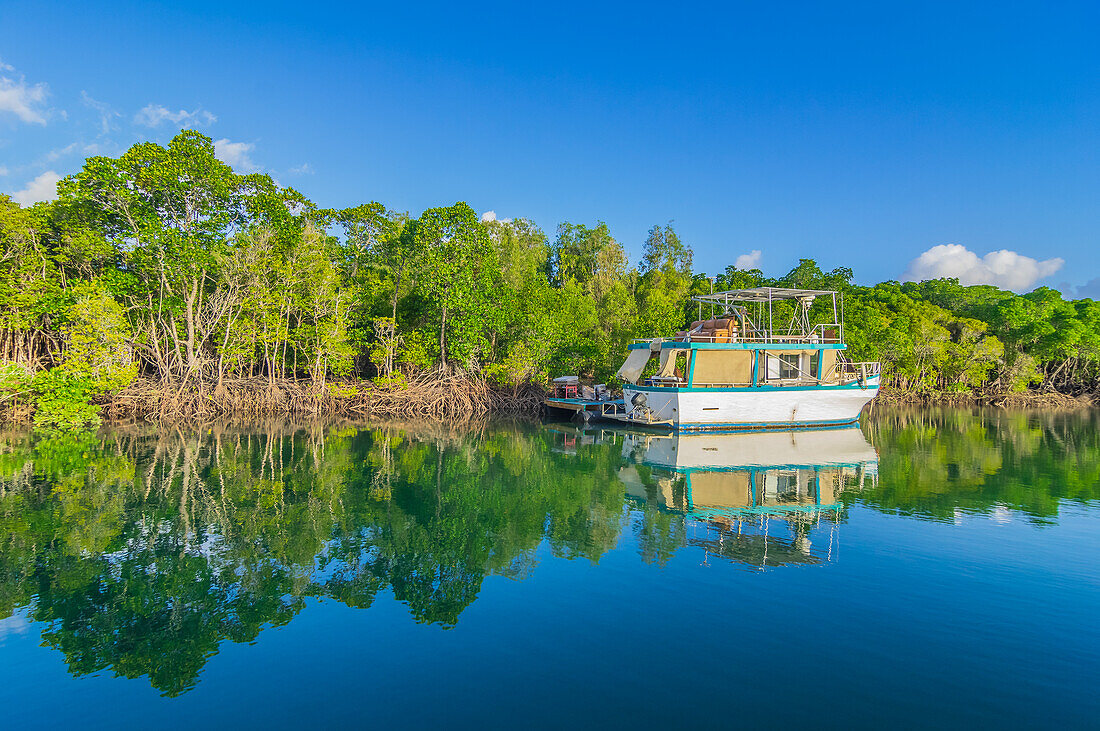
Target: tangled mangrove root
[1022,400]
[447,396]
[434,395]
[896,397]
[1042,400]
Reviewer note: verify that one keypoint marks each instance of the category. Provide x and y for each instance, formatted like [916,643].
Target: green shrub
[97,360]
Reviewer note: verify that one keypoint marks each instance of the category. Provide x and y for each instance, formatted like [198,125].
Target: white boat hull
[776,407]
[710,451]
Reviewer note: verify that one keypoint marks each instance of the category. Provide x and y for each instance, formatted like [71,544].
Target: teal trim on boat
[673,345]
[752,468]
[761,346]
[764,425]
[750,389]
[704,513]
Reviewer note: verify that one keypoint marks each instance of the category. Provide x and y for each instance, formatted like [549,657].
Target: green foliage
[63,401]
[457,273]
[96,360]
[924,347]
[216,275]
[97,341]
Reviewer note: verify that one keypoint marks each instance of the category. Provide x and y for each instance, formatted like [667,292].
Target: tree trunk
[397,290]
[443,339]
[190,343]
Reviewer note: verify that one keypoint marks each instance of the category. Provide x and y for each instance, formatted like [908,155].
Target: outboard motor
[640,408]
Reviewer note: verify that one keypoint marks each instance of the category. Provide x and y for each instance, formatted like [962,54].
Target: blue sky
[902,141]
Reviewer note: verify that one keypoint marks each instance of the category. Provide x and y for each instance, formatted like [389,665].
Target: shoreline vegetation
[446,398]
[1031,399]
[451,397]
[163,285]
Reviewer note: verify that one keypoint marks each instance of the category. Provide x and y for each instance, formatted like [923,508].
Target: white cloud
[107,114]
[304,169]
[42,188]
[23,100]
[1004,268]
[749,260]
[236,155]
[489,216]
[16,624]
[152,115]
[3,171]
[57,153]
[1090,289]
[5,66]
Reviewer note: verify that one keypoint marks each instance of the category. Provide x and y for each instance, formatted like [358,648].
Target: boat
[737,371]
[580,401]
[756,497]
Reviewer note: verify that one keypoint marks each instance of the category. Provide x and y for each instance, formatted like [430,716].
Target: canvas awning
[668,363]
[635,363]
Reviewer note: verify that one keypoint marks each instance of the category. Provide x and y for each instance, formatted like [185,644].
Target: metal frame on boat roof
[732,302]
[761,294]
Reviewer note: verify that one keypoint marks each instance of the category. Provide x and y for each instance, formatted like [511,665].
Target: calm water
[932,568]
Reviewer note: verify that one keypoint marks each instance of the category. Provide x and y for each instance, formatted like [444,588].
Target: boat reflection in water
[762,499]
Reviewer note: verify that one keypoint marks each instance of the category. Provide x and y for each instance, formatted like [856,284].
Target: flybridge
[749,316]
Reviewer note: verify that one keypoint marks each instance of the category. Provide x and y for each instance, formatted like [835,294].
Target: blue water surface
[935,568]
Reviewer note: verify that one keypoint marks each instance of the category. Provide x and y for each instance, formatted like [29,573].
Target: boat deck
[587,408]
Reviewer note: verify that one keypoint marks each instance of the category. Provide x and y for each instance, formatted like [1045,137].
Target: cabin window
[780,486]
[792,366]
[783,366]
[786,487]
[788,365]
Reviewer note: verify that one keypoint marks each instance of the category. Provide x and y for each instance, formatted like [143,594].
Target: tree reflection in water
[141,550]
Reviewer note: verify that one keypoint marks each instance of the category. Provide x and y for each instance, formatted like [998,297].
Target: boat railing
[825,333]
[828,332]
[848,370]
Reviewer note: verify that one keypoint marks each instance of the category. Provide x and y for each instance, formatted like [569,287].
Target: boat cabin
[765,336]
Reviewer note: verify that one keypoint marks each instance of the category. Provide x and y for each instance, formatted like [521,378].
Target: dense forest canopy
[167,265]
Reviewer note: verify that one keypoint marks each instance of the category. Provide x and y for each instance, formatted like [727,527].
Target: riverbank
[452,396]
[434,395]
[1022,400]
